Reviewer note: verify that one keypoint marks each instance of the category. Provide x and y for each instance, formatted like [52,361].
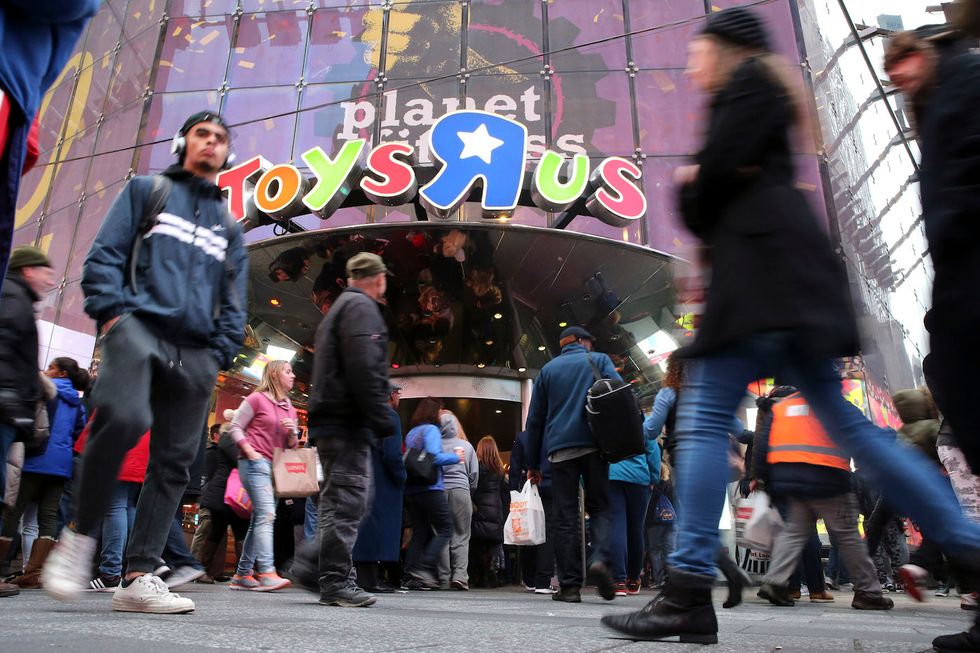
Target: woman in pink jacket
[265,421]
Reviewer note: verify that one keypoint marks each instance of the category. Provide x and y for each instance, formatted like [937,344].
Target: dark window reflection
[471,299]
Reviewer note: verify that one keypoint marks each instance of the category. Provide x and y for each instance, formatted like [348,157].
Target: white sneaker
[150,594]
[545,590]
[182,576]
[65,574]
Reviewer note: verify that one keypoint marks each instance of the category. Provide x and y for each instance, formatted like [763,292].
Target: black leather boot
[683,609]
[735,577]
[776,594]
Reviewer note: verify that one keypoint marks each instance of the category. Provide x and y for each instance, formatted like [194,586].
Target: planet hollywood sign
[472,148]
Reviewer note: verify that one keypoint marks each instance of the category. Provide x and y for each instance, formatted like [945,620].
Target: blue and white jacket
[192,272]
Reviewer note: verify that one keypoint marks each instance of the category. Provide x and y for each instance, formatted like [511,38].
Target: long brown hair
[427,412]
[675,372]
[489,455]
[271,383]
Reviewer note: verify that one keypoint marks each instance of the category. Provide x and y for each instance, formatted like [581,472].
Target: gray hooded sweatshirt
[459,476]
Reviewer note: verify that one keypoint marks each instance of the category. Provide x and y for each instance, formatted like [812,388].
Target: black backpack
[614,418]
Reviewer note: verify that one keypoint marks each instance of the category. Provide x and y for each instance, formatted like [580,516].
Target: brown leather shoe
[822,597]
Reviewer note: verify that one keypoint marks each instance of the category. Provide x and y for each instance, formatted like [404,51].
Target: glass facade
[599,77]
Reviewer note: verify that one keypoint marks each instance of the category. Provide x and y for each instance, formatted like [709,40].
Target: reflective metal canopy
[471,298]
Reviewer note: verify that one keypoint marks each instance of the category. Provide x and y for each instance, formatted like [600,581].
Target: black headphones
[178,146]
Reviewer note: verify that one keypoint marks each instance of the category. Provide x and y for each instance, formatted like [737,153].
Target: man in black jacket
[348,409]
[166,282]
[935,69]
[20,387]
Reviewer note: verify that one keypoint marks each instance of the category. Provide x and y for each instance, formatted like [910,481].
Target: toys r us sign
[472,147]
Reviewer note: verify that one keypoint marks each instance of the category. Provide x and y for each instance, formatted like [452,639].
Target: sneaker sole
[179,582]
[242,589]
[341,603]
[273,588]
[128,608]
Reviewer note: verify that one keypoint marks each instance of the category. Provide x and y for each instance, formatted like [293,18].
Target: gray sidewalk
[505,620]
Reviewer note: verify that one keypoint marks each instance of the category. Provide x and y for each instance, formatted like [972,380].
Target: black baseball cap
[573,333]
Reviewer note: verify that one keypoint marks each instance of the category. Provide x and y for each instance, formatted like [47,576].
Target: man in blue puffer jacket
[168,322]
[557,416]
[36,39]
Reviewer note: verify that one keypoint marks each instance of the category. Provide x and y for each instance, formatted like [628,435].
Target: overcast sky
[913,12]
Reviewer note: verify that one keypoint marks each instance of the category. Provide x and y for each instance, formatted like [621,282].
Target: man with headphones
[166,282]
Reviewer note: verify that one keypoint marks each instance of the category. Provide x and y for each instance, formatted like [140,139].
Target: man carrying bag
[557,416]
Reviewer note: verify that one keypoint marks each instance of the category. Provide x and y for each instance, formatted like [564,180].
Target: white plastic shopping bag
[525,523]
[762,524]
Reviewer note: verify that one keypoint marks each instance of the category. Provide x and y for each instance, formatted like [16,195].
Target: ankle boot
[682,610]
[735,577]
[6,589]
[776,594]
[965,641]
[32,572]
[870,601]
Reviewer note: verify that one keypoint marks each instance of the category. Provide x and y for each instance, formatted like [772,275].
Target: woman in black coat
[218,463]
[489,501]
[777,306]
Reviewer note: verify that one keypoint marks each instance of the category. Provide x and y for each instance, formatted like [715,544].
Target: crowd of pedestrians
[97,488]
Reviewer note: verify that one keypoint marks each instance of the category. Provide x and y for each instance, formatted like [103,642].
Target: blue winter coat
[428,437]
[643,469]
[36,39]
[518,464]
[380,534]
[67,417]
[557,412]
[192,269]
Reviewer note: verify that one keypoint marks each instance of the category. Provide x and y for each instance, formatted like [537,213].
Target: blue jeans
[7,435]
[627,513]
[175,552]
[116,525]
[713,388]
[309,517]
[257,554]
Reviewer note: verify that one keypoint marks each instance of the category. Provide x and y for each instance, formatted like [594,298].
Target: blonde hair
[271,382]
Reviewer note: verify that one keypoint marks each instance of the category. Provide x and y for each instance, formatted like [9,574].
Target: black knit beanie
[739,26]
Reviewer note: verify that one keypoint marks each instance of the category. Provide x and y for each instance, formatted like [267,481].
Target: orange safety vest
[796,436]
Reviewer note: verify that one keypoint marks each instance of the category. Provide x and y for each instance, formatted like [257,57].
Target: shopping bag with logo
[525,522]
[294,472]
[762,524]
[236,497]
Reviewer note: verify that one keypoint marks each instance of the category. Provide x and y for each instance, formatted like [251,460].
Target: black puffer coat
[490,506]
[772,265]
[218,463]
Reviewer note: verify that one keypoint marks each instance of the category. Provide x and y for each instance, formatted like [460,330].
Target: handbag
[614,418]
[236,497]
[420,465]
[294,473]
[664,510]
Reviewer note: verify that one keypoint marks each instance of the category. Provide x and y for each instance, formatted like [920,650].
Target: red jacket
[134,464]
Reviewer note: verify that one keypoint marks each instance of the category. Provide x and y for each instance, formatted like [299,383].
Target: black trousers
[221,520]
[432,528]
[566,476]
[144,381]
[950,368]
